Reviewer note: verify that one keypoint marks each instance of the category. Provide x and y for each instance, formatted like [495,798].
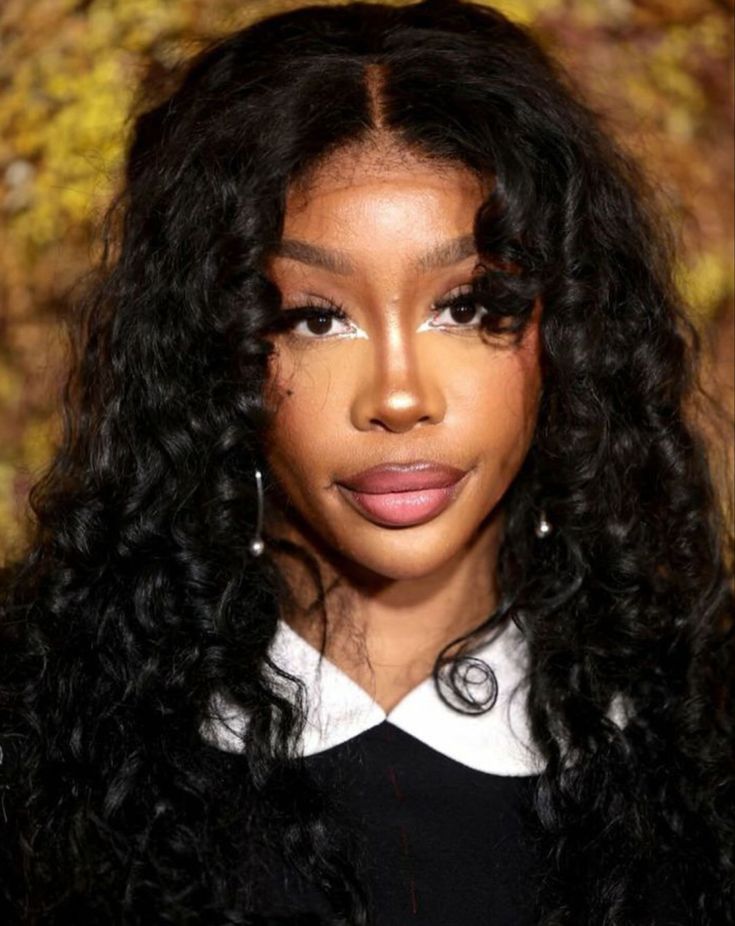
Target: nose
[395,390]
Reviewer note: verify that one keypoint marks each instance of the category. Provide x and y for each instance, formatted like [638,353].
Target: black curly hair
[137,599]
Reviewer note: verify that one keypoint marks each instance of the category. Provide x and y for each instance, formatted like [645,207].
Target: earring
[256,544]
[543,527]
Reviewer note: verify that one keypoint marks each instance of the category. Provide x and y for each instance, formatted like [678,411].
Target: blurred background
[660,72]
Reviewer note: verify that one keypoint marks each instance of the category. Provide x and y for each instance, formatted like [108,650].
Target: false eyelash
[292,317]
[462,299]
[476,295]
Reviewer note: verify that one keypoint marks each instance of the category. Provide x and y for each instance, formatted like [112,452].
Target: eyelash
[312,310]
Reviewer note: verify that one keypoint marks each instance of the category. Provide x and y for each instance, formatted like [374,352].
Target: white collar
[497,742]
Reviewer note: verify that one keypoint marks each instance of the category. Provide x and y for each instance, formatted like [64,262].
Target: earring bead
[543,527]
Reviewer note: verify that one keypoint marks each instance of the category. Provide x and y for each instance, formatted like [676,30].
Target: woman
[379,576]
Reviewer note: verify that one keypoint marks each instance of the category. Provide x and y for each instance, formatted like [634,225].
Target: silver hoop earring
[256,544]
[543,527]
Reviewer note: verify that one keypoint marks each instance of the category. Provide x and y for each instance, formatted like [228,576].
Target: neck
[386,633]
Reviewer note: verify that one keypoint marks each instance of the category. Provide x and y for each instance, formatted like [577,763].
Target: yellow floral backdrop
[660,72]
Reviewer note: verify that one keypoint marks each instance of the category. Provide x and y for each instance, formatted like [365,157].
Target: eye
[462,311]
[322,323]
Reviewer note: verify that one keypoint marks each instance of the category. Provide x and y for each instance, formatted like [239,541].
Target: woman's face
[399,379]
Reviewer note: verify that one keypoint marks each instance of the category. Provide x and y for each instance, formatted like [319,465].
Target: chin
[402,556]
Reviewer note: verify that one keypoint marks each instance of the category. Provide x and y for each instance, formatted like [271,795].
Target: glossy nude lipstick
[403,494]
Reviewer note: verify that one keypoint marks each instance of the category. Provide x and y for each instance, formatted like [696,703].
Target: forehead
[380,169]
[378,205]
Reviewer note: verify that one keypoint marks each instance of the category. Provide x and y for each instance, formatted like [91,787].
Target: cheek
[503,405]
[303,399]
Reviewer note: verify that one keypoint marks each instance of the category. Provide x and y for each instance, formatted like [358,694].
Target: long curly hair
[137,600]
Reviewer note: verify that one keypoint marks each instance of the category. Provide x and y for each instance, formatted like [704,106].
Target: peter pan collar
[497,742]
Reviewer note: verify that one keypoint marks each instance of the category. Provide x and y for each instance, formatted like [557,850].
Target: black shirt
[444,844]
[440,801]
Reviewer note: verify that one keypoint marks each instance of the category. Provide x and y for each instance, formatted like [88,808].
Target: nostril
[400,423]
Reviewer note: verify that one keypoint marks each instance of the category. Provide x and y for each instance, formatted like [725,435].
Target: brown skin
[376,389]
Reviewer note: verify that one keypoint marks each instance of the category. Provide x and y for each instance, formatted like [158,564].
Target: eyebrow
[441,255]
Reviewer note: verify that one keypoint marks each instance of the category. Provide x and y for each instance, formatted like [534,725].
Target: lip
[403,477]
[403,495]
